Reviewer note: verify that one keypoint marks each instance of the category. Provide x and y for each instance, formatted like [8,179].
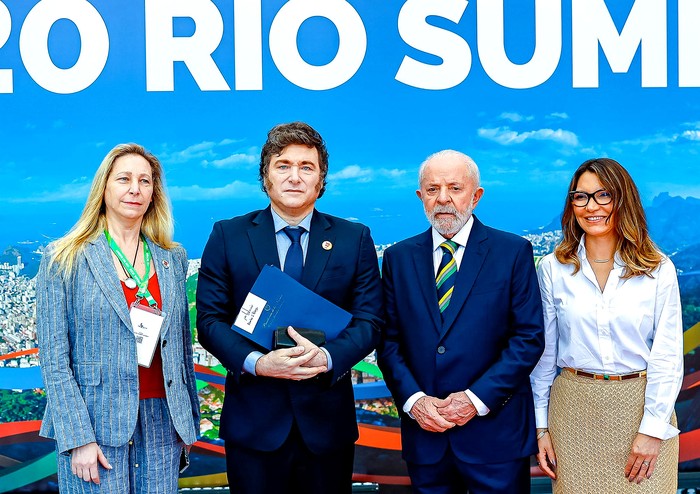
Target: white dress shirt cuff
[541,417]
[250,361]
[655,427]
[412,401]
[481,409]
[328,357]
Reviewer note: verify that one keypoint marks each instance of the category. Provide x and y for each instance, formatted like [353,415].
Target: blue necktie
[294,262]
[446,275]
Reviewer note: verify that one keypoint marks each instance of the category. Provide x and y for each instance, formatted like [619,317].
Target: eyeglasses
[580,199]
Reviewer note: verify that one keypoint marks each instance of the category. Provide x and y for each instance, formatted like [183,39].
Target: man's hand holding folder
[303,361]
[277,300]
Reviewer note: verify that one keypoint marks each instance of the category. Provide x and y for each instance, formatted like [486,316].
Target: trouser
[290,469]
[147,464]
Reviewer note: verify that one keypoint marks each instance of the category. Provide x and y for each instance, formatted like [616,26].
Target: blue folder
[278,300]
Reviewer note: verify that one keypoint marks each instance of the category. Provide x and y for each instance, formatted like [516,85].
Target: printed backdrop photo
[528,89]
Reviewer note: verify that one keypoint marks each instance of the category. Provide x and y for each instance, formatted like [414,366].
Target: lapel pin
[166,264]
[327,245]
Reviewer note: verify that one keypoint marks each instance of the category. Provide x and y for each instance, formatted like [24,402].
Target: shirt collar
[460,237]
[280,224]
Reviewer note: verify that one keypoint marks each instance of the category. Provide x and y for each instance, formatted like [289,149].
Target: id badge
[146,322]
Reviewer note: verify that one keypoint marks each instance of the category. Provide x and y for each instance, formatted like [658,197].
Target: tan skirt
[592,425]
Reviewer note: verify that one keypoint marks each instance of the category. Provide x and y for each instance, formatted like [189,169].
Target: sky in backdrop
[527,142]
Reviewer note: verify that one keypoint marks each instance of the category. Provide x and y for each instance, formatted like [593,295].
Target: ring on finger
[645,463]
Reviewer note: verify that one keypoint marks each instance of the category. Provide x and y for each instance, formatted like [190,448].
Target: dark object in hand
[184,460]
[281,338]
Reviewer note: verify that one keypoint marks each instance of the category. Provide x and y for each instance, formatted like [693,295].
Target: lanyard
[142,283]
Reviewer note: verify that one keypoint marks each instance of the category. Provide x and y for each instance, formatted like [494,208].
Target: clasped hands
[303,361]
[438,415]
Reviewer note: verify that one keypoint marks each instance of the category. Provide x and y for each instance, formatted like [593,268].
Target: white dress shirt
[460,238]
[632,325]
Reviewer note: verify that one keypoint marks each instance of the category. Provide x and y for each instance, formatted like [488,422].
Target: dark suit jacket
[491,338]
[259,411]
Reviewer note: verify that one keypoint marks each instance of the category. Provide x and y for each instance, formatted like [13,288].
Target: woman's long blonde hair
[634,246]
[157,223]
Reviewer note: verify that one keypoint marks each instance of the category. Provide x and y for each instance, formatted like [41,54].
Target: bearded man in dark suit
[464,329]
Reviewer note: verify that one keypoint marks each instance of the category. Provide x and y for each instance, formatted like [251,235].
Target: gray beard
[448,226]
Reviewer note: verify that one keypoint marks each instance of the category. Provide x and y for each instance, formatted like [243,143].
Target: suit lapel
[316,256]
[262,239]
[423,263]
[472,260]
[99,259]
[166,280]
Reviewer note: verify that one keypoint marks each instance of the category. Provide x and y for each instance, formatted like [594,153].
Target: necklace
[129,281]
[599,261]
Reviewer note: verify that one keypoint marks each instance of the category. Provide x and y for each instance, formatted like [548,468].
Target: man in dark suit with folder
[289,414]
[464,330]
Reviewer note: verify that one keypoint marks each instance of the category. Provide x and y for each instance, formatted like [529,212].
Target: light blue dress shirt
[283,241]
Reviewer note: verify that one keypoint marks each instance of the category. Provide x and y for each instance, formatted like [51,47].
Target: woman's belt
[607,377]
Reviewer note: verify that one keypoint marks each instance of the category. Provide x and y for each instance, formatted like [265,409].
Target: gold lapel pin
[327,245]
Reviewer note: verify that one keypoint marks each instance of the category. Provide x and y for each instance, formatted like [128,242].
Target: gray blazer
[88,350]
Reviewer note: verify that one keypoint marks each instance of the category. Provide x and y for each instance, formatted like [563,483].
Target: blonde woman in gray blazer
[120,422]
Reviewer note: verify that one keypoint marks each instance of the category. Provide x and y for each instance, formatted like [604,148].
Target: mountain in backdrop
[552,226]
[674,222]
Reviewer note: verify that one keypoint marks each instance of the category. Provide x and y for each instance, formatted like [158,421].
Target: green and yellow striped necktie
[446,274]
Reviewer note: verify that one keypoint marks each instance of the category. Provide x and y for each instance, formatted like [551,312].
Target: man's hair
[283,135]
[634,246]
[472,169]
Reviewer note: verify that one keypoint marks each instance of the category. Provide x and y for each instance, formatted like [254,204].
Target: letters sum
[646,29]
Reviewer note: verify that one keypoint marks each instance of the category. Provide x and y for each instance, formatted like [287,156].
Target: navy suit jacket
[491,338]
[88,349]
[259,411]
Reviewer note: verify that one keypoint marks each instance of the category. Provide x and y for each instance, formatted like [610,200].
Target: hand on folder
[278,300]
[303,361]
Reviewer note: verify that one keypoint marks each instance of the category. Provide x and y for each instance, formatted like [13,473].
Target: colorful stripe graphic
[380,445]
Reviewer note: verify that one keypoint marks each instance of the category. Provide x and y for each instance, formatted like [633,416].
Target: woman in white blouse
[612,368]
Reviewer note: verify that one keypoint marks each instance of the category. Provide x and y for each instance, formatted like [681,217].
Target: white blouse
[634,324]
